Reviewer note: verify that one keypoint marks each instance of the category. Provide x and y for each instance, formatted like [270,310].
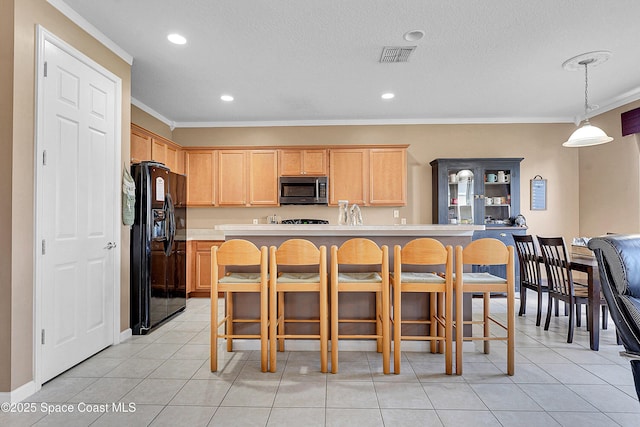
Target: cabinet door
[140,146]
[199,261]
[501,197]
[171,158]
[349,170]
[232,178]
[158,151]
[303,162]
[314,162]
[263,178]
[290,162]
[200,170]
[388,177]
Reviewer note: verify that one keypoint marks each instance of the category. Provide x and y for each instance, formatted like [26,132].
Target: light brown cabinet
[248,178]
[387,176]
[199,267]
[140,145]
[232,178]
[146,145]
[303,162]
[348,175]
[263,178]
[201,173]
[368,176]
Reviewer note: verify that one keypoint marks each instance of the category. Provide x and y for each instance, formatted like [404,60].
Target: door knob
[110,245]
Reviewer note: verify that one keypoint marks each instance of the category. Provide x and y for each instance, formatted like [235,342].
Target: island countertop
[294,230]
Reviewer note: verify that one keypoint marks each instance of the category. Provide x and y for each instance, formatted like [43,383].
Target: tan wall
[539,144]
[6,136]
[147,121]
[29,13]
[610,180]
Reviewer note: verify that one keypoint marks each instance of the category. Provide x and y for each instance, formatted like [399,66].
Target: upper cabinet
[201,167]
[348,173]
[368,176]
[263,177]
[140,145]
[298,162]
[248,178]
[388,176]
[476,191]
[146,145]
[232,178]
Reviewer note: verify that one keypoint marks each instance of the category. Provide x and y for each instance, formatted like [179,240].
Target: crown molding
[144,107]
[75,17]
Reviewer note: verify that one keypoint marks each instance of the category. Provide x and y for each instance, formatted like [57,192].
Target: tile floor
[165,375]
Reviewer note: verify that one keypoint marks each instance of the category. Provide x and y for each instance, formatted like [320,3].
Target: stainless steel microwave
[303,190]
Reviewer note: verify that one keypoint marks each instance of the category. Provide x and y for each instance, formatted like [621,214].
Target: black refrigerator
[158,246]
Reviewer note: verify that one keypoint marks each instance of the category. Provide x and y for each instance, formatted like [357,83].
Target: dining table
[587,263]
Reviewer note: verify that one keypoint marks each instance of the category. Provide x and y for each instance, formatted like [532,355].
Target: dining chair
[373,277]
[238,254]
[485,252]
[410,275]
[562,287]
[530,277]
[287,273]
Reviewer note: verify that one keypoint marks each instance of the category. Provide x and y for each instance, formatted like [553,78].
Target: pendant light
[587,134]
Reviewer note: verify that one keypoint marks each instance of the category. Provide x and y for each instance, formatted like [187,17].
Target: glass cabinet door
[461,196]
[497,196]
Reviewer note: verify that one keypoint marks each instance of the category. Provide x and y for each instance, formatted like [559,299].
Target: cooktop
[304,221]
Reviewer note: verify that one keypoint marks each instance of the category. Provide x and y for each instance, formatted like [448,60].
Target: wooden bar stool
[297,253]
[485,251]
[424,252]
[364,253]
[238,253]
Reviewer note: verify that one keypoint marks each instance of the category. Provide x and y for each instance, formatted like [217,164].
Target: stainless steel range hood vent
[396,53]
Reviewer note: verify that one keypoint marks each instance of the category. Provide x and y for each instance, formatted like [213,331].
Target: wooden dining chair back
[485,252]
[530,277]
[287,273]
[238,253]
[561,285]
[411,274]
[372,277]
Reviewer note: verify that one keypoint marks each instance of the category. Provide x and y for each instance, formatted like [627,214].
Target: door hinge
[44,246]
[42,337]
[45,68]
[44,158]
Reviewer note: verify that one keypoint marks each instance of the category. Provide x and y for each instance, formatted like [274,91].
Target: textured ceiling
[316,61]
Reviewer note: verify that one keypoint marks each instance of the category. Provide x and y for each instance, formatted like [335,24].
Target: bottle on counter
[343,212]
[355,215]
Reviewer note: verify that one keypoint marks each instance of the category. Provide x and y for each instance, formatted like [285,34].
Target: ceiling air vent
[396,53]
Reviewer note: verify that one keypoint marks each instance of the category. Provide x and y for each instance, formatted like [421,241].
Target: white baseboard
[125,335]
[20,393]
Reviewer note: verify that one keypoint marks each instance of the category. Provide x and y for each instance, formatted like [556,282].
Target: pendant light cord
[586,92]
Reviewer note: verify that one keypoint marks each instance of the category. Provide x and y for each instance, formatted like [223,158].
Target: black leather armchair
[619,264]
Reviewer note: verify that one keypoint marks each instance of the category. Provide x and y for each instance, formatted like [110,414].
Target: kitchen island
[304,306]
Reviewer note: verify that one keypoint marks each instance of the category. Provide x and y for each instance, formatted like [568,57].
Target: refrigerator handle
[171,218]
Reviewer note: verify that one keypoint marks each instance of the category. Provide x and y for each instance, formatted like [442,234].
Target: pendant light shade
[587,134]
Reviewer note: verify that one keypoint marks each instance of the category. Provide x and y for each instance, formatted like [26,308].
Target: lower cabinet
[199,267]
[505,235]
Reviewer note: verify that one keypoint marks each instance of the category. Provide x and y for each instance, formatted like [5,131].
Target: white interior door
[76,195]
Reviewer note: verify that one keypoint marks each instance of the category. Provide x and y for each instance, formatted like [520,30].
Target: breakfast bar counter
[300,305]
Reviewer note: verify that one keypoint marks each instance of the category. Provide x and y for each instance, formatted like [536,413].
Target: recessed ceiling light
[176,39]
[388,95]
[227,98]
[413,35]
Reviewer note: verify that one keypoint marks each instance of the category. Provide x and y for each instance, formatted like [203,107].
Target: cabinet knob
[503,234]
